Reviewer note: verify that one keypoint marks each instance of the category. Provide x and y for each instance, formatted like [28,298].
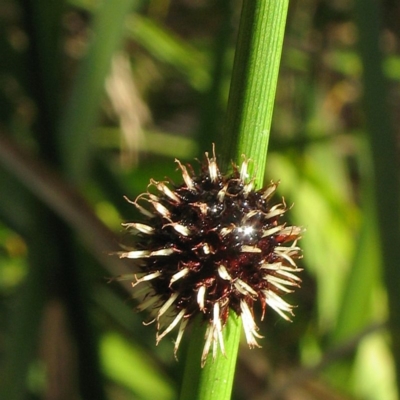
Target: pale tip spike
[182,328]
[147,323]
[270,190]
[249,326]
[248,188]
[214,343]
[129,200]
[148,230]
[271,266]
[223,273]
[279,305]
[135,254]
[217,331]
[274,212]
[162,252]
[206,248]
[203,208]
[286,257]
[152,197]
[294,231]
[226,230]
[249,215]
[285,272]
[213,150]
[244,174]
[221,194]
[171,326]
[272,231]
[186,177]
[167,305]
[212,166]
[183,230]
[201,296]
[146,278]
[250,249]
[163,211]
[281,287]
[216,317]
[141,209]
[208,339]
[280,283]
[243,171]
[178,275]
[245,289]
[162,187]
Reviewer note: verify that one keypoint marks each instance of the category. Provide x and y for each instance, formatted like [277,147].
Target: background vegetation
[98,97]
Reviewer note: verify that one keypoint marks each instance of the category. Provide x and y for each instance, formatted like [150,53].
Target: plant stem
[254,80]
[249,116]
[209,383]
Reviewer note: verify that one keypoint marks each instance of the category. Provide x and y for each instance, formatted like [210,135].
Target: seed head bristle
[213,244]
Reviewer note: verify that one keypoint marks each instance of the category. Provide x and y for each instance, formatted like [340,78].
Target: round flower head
[211,245]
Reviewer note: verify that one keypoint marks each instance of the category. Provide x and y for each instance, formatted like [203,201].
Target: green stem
[214,381]
[254,80]
[249,116]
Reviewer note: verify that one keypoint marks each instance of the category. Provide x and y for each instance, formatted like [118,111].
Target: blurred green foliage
[96,98]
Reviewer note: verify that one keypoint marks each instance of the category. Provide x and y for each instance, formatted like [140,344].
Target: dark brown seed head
[212,244]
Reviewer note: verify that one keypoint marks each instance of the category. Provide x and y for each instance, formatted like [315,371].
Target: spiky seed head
[213,244]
